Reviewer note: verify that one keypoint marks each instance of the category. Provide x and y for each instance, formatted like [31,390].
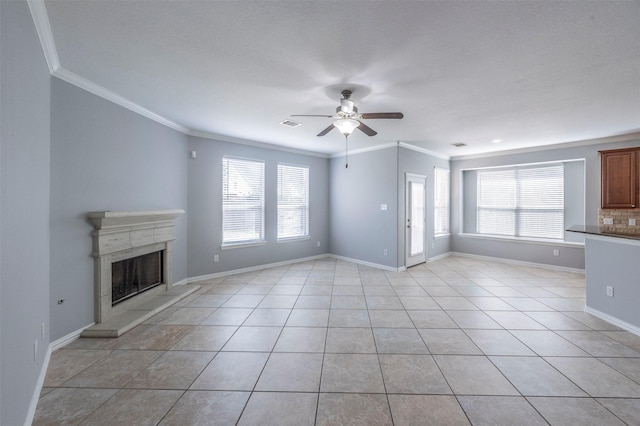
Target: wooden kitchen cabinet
[620,177]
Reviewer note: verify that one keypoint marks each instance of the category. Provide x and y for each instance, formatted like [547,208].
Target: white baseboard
[439,257]
[65,340]
[36,394]
[365,263]
[613,320]
[518,262]
[250,269]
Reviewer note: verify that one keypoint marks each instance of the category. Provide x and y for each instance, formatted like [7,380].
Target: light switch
[632,221]
[607,220]
[383,207]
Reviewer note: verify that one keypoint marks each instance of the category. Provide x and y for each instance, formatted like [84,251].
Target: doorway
[415,222]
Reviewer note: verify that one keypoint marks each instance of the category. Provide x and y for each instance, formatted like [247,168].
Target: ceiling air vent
[290,123]
[459,144]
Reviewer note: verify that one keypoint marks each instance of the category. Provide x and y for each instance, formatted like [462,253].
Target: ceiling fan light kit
[346,125]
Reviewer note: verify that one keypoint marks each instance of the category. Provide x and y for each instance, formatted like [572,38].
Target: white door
[415,252]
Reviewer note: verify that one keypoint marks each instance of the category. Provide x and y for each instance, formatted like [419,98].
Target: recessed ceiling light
[290,123]
[496,141]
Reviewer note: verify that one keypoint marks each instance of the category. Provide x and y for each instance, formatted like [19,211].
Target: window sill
[231,246]
[441,236]
[523,240]
[292,239]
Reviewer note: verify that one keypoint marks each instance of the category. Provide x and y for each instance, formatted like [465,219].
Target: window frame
[447,202]
[261,239]
[307,175]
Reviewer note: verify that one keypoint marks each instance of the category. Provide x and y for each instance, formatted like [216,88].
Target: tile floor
[456,341]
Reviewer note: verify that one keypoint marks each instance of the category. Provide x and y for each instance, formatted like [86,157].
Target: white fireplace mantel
[120,235]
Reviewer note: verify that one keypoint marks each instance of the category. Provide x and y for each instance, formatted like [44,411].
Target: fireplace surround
[122,235]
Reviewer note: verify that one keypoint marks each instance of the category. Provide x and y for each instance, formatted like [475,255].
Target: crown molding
[422,150]
[587,142]
[43,28]
[363,150]
[256,144]
[96,89]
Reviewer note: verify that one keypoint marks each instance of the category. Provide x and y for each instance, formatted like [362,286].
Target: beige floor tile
[243,301]
[116,370]
[491,304]
[432,410]
[209,301]
[515,321]
[286,289]
[227,316]
[473,319]
[135,407]
[232,371]
[351,373]
[66,363]
[350,340]
[449,342]
[412,374]
[597,344]
[431,319]
[349,318]
[383,302]
[313,302]
[316,290]
[419,303]
[532,376]
[592,321]
[353,409]
[498,342]
[624,337]
[347,290]
[630,367]
[628,410]
[253,339]
[291,372]
[268,317]
[473,375]
[406,291]
[348,302]
[173,370]
[69,406]
[500,410]
[308,318]
[301,339]
[205,338]
[204,408]
[256,289]
[188,316]
[390,318]
[527,304]
[557,321]
[596,378]
[455,303]
[399,341]
[154,337]
[440,290]
[280,409]
[574,411]
[272,301]
[547,343]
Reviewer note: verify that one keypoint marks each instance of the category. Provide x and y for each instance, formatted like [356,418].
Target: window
[522,202]
[441,202]
[242,201]
[293,202]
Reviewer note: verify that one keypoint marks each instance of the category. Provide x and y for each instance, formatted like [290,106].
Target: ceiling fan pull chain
[346,152]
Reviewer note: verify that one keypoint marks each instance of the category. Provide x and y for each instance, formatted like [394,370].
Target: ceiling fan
[348,118]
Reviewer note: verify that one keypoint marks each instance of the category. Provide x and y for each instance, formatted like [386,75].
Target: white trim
[368,149]
[505,238]
[439,257]
[181,282]
[613,239]
[518,262]
[43,28]
[31,411]
[422,150]
[613,320]
[525,165]
[253,268]
[365,263]
[609,139]
[256,144]
[91,87]
[293,239]
[69,338]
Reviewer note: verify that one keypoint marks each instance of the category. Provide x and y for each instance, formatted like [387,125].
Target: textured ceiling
[529,73]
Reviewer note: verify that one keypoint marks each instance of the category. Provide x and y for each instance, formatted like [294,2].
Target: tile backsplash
[617,220]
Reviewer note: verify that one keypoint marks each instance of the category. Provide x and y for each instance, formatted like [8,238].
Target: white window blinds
[293,201]
[524,202]
[441,202]
[242,201]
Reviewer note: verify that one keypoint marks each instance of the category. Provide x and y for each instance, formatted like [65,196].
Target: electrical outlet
[386,252]
[556,252]
[318,243]
[216,258]
[632,221]
[609,291]
[607,220]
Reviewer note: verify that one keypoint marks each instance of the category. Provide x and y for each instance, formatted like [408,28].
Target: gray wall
[410,161]
[572,257]
[24,211]
[359,229]
[205,208]
[104,157]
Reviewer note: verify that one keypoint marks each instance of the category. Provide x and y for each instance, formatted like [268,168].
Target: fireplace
[132,252]
[136,275]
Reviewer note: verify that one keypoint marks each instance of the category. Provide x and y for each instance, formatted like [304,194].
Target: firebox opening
[133,276]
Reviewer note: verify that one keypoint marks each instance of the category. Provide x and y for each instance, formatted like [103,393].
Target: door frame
[410,260]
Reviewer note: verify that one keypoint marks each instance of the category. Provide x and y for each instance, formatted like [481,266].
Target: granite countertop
[596,230]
